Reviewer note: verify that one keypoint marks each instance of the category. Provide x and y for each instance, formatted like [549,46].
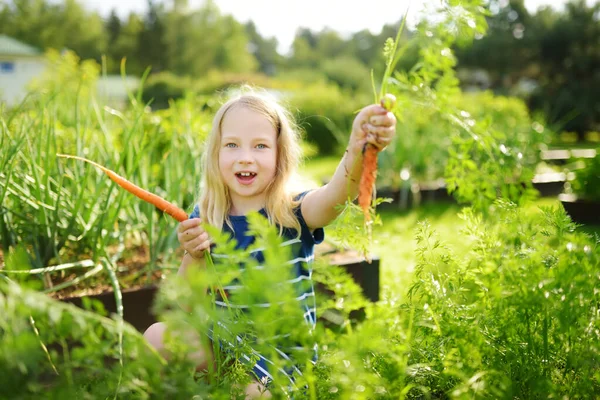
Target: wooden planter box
[137,303]
[550,184]
[562,156]
[581,211]
[424,193]
[366,275]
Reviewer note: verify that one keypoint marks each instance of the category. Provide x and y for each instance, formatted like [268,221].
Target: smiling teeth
[245,173]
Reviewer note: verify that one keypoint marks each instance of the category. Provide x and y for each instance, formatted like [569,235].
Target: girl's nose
[246,157]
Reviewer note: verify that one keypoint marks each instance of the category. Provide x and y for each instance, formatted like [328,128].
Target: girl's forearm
[188,261]
[346,179]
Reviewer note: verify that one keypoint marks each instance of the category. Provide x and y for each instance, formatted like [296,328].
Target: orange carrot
[369,171]
[151,198]
[367,179]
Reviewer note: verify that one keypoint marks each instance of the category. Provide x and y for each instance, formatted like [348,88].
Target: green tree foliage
[123,42]
[57,25]
[151,49]
[264,50]
[559,50]
[201,40]
[570,55]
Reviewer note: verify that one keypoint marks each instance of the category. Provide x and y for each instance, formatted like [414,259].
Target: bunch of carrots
[369,170]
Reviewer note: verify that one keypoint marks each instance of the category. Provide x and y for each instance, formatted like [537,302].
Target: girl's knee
[256,390]
[154,335]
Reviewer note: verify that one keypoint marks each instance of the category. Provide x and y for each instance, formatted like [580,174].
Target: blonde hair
[215,200]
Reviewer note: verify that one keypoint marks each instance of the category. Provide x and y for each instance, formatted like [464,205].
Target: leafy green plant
[514,317]
[587,180]
[466,138]
[325,113]
[63,212]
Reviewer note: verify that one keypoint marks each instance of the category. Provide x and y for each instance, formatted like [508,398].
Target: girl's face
[247,157]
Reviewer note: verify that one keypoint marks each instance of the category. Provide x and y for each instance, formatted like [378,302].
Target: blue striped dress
[302,256]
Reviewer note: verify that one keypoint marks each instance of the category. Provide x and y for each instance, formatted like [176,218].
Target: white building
[19,64]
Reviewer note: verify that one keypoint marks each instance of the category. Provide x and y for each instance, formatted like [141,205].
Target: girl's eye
[261,146]
[230,145]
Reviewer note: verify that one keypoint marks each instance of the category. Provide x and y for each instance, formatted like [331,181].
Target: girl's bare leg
[256,390]
[155,336]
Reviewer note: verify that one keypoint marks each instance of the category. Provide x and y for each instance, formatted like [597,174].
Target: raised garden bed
[581,211]
[549,184]
[561,156]
[417,194]
[137,305]
[137,302]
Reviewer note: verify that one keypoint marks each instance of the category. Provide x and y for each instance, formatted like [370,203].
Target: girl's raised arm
[374,124]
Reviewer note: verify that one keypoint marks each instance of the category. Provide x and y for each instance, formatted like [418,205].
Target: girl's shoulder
[195,213]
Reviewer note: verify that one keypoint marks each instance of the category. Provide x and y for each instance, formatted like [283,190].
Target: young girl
[249,160]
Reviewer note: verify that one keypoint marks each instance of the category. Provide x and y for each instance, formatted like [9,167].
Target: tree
[124,44]
[569,77]
[264,50]
[151,47]
[49,25]
[200,40]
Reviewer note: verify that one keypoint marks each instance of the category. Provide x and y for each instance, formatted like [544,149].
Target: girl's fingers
[387,120]
[187,224]
[383,131]
[198,251]
[379,141]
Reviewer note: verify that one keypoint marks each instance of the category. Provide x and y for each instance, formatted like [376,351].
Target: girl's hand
[193,237]
[373,124]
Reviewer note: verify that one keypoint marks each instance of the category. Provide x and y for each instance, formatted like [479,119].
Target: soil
[132,273]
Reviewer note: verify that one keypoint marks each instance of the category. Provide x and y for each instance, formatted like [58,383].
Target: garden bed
[549,184]
[138,300]
[582,211]
[561,156]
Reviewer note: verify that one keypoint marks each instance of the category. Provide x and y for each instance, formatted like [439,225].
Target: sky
[281,18]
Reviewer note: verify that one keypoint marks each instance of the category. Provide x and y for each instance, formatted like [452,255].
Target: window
[7,67]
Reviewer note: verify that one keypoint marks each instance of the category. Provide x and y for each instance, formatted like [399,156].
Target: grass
[395,240]
[319,169]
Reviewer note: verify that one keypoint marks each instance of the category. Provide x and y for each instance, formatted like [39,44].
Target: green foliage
[516,317]
[53,350]
[587,180]
[471,139]
[348,73]
[544,47]
[54,25]
[494,151]
[325,113]
[348,229]
[204,39]
[163,87]
[63,211]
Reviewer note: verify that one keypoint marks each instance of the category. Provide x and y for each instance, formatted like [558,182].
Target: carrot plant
[470,140]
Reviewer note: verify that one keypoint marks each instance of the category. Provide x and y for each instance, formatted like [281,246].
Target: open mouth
[245,177]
